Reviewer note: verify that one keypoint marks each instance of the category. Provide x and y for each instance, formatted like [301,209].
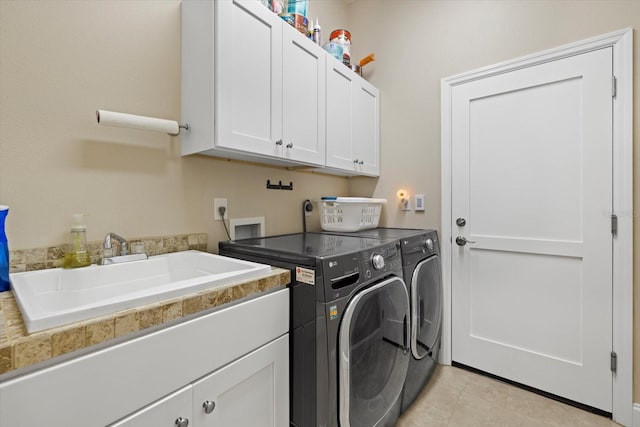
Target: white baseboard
[636,415]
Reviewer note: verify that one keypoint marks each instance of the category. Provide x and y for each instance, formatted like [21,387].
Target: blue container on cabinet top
[5,285]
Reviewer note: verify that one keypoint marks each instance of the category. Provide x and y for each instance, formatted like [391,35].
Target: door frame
[622,43]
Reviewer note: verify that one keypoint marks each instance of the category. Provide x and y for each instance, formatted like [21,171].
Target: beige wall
[417,43]
[59,62]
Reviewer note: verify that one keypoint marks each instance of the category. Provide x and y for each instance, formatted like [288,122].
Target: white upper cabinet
[303,98]
[366,127]
[249,78]
[353,122]
[340,150]
[231,79]
[254,88]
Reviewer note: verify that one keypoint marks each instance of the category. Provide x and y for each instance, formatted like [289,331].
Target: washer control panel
[382,259]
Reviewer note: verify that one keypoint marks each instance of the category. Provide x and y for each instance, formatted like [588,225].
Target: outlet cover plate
[217,204]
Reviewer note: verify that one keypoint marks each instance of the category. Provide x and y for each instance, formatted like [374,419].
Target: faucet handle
[123,249]
[137,247]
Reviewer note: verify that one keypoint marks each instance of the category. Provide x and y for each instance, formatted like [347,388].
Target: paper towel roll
[111,118]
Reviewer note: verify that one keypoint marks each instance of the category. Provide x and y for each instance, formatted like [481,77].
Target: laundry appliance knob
[429,244]
[377,261]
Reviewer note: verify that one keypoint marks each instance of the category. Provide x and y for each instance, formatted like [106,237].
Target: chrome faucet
[110,258]
[107,243]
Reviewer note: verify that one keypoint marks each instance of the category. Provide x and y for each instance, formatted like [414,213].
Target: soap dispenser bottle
[77,254]
[4,251]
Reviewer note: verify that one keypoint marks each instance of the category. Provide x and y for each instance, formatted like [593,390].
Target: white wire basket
[349,213]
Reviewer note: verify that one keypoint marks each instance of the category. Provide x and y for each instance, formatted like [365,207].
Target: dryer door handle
[405,330]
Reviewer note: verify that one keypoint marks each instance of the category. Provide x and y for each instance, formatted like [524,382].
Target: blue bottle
[4,251]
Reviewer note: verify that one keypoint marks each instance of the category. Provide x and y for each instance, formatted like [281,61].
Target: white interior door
[532,179]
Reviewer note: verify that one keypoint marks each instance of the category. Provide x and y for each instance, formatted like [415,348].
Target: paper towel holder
[180,127]
[112,118]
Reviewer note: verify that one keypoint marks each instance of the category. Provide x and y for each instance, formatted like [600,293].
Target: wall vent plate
[246,228]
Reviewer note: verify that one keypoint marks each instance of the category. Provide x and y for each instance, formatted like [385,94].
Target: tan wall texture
[417,43]
[61,60]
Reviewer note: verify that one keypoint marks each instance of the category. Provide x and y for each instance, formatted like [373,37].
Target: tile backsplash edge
[53,256]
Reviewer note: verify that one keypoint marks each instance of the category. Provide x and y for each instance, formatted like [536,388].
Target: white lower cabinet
[235,358]
[252,391]
[169,411]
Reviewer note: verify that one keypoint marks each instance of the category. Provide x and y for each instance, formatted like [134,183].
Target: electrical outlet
[405,204]
[217,204]
[307,207]
[420,202]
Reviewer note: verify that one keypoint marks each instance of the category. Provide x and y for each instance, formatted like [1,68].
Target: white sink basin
[55,297]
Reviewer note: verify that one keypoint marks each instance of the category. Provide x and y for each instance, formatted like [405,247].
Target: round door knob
[429,244]
[209,406]
[279,142]
[290,145]
[182,422]
[377,261]
[355,161]
[361,162]
[461,222]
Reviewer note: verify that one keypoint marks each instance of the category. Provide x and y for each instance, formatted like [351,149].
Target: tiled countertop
[19,349]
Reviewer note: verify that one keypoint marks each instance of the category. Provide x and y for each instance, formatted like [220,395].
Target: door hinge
[614,86]
[614,224]
[614,362]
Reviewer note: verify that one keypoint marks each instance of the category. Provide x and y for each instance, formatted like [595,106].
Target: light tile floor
[456,397]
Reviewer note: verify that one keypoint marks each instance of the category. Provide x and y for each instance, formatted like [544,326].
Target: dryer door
[426,306]
[374,353]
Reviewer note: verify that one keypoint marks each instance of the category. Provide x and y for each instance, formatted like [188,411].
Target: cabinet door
[366,127]
[165,412]
[340,106]
[252,391]
[303,98]
[249,77]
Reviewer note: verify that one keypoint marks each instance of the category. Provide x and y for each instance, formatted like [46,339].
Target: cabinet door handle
[290,145]
[279,142]
[355,161]
[208,406]
[182,422]
[361,162]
